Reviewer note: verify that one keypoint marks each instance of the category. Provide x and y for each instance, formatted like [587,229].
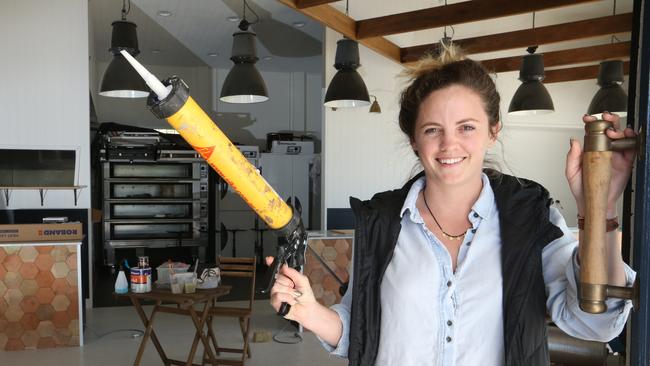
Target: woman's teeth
[450,161]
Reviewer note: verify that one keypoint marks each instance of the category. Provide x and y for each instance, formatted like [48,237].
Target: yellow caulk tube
[170,100]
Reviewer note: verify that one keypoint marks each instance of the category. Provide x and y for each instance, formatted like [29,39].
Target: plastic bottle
[121,285]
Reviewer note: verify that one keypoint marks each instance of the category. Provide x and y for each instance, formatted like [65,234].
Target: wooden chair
[235,268]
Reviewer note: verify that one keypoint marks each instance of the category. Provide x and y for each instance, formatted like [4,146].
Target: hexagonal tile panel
[72,261]
[44,278]
[3,306]
[61,319]
[29,304]
[30,339]
[29,287]
[3,271]
[61,336]
[14,313]
[45,329]
[3,289]
[28,253]
[46,342]
[44,249]
[3,254]
[12,263]
[72,278]
[45,312]
[60,270]
[328,253]
[13,279]
[61,286]
[13,330]
[342,246]
[14,344]
[74,327]
[3,340]
[44,262]
[14,249]
[13,297]
[60,303]
[60,253]
[28,271]
[29,321]
[44,295]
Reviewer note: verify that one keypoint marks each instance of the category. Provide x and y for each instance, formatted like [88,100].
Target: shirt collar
[484,205]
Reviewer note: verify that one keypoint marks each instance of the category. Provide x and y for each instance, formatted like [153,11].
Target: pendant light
[347,88]
[611,96]
[120,79]
[244,83]
[374,107]
[531,97]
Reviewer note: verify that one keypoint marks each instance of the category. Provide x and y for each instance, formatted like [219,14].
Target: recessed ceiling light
[213,54]
[155,51]
[165,13]
[267,58]
[233,18]
[298,24]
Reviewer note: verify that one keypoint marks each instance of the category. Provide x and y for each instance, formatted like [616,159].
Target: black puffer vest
[525,229]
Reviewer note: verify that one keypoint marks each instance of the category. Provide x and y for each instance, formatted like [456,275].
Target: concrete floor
[108,342]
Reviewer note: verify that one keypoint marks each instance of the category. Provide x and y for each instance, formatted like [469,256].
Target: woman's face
[452,135]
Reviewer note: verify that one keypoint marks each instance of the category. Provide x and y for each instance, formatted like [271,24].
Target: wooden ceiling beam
[464,12]
[564,57]
[303,4]
[577,73]
[339,22]
[543,35]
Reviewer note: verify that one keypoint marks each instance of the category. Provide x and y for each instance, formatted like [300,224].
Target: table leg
[149,332]
[199,324]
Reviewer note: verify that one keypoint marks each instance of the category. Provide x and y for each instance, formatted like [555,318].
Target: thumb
[299,280]
[573,160]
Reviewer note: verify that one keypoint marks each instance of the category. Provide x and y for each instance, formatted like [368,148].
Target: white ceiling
[198,28]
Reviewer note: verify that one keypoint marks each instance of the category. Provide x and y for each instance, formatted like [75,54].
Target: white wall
[44,92]
[294,104]
[366,153]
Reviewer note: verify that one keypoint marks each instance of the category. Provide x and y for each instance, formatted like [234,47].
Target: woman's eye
[431,130]
[467,128]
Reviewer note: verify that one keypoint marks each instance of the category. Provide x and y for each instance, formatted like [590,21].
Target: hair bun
[449,53]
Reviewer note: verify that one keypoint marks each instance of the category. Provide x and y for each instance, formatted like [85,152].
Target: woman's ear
[494,132]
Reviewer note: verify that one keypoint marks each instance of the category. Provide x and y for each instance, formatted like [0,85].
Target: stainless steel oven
[150,204]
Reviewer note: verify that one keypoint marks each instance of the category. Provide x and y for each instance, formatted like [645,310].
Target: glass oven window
[152,231]
[182,171]
[151,190]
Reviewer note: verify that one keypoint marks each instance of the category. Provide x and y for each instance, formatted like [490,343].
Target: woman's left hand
[621,165]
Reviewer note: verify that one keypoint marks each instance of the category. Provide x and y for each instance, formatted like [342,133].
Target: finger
[629,132]
[286,290]
[612,117]
[573,156]
[269,260]
[614,134]
[588,118]
[279,298]
[298,278]
[284,280]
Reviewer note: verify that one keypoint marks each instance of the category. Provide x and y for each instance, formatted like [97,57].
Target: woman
[461,265]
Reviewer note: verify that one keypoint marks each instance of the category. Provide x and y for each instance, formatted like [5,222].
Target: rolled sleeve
[561,276]
[341,349]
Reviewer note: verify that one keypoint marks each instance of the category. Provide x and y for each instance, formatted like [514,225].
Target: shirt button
[449,323]
[469,243]
[473,231]
[475,214]
[448,339]
[448,283]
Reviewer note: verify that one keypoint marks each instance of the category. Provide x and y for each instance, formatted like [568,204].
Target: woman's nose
[447,140]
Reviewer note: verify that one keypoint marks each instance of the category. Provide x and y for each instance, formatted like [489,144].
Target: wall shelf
[43,191]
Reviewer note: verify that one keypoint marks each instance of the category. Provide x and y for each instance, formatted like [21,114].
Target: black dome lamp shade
[120,79]
[531,97]
[244,83]
[611,97]
[347,88]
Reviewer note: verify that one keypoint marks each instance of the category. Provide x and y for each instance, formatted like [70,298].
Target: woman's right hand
[293,288]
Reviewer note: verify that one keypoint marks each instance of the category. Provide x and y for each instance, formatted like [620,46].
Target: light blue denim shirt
[431,315]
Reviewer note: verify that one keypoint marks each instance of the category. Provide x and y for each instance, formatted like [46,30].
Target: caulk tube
[170,100]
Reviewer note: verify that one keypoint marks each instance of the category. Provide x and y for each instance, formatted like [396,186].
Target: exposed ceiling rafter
[564,57]
[303,4]
[332,18]
[464,12]
[523,38]
[577,73]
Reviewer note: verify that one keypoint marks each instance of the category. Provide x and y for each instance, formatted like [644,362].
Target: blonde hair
[448,53]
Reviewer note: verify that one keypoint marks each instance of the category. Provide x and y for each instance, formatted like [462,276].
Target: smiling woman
[460,258]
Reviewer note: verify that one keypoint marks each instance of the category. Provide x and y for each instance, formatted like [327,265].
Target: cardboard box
[71,231]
